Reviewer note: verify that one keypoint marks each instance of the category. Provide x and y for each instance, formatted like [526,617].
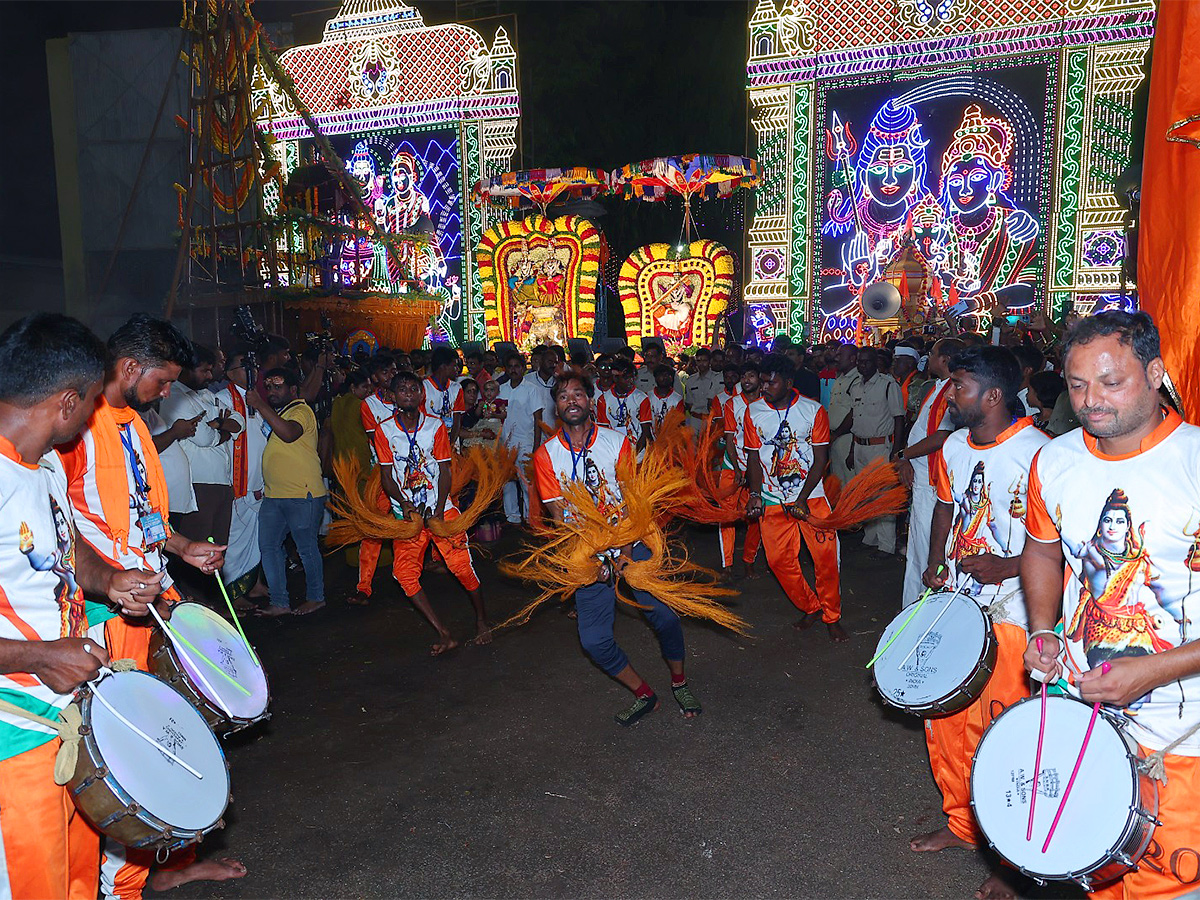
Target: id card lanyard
[576,457]
[154,530]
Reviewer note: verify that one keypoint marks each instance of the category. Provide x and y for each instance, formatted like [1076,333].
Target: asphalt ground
[498,771]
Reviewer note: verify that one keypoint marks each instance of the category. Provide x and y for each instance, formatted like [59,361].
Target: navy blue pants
[596,606]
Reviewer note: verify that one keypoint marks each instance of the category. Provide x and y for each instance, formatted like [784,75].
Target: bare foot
[483,633]
[446,642]
[837,633]
[941,839]
[272,611]
[308,607]
[241,604]
[358,598]
[995,888]
[259,590]
[201,870]
[807,621]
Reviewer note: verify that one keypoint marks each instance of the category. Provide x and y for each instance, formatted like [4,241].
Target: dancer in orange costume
[733,465]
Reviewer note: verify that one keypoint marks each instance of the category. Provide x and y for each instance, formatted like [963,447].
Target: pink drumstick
[1037,763]
[1104,668]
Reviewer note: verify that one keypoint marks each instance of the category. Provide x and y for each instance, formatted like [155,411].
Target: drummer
[975,542]
[1119,500]
[51,371]
[119,496]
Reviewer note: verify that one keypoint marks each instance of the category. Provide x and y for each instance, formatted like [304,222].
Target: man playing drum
[1119,501]
[119,496]
[51,370]
[975,542]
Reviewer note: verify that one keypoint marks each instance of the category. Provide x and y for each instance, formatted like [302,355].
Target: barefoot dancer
[989,457]
[786,437]
[587,452]
[414,455]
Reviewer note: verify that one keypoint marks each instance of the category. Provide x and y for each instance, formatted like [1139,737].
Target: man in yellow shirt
[295,493]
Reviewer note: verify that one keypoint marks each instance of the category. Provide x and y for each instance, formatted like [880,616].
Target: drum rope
[67,727]
[1155,763]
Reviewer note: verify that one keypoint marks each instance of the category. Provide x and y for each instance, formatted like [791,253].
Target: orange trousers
[952,739]
[1171,866]
[781,536]
[728,535]
[369,550]
[49,849]
[410,556]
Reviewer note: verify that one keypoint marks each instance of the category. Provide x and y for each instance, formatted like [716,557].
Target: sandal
[686,699]
[642,706]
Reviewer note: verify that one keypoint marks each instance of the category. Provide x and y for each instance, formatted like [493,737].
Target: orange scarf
[241,473]
[112,469]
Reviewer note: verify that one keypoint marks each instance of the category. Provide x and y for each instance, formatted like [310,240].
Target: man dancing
[414,452]
[733,467]
[991,455]
[583,451]
[1121,495]
[786,437]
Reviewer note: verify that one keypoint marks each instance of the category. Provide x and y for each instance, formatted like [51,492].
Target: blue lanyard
[786,409]
[445,397]
[576,457]
[143,488]
[622,412]
[412,438]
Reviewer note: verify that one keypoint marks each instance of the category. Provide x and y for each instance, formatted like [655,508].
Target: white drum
[125,785]
[230,709]
[955,652]
[1108,818]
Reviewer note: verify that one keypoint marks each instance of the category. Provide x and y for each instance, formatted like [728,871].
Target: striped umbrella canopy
[703,175]
[541,187]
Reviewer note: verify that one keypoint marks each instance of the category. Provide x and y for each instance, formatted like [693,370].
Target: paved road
[498,771]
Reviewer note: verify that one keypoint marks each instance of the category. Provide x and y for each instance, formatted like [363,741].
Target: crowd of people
[1049,479]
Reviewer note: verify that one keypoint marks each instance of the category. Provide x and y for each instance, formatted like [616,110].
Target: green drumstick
[233,612]
[900,630]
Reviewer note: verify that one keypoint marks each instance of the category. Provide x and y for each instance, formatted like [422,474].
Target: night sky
[602,84]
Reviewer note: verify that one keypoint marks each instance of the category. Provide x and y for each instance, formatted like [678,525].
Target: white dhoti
[838,451]
[920,517]
[242,556]
[879,533]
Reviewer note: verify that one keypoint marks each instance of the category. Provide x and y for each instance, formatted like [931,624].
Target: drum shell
[1135,838]
[165,664]
[108,808]
[959,699]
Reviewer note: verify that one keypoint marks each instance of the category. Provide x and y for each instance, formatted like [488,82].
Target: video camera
[254,336]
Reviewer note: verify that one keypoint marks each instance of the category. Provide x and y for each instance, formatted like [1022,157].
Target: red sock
[677,680]
[643,691]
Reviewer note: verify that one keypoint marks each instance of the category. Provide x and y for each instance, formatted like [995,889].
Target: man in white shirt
[524,401]
[207,449]
[176,468]
[700,389]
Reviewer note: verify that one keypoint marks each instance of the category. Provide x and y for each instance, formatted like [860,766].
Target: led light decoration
[675,293]
[966,149]
[418,114]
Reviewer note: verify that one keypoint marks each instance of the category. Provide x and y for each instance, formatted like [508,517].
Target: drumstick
[233,612]
[916,606]
[178,639]
[145,737]
[932,625]
[1104,668]
[1037,762]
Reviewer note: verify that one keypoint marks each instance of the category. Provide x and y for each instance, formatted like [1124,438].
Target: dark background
[602,84]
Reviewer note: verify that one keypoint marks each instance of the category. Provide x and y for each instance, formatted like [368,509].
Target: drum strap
[67,727]
[1155,767]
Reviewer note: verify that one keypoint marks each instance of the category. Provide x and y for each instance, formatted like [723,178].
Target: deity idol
[362,262]
[992,262]
[407,210]
[887,179]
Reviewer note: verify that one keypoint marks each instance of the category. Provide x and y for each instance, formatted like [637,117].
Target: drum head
[163,788]
[946,657]
[1097,812]
[223,645]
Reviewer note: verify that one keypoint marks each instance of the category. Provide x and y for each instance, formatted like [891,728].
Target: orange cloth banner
[1169,249]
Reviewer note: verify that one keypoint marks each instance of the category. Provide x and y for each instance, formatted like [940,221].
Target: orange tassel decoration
[355,511]
[570,555]
[490,468]
[873,492]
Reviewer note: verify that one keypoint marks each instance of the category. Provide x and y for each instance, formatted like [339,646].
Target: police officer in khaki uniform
[839,408]
[701,387]
[876,424]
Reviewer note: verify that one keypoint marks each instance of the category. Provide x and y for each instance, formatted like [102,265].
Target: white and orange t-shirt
[785,438]
[444,402]
[415,458]
[374,410]
[934,415]
[628,414]
[987,487]
[556,463]
[1130,533]
[660,406]
[719,401]
[79,463]
[734,416]
[40,599]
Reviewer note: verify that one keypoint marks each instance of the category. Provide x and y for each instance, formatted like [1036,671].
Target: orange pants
[410,556]
[727,535]
[369,550]
[1171,866]
[49,849]
[952,739]
[781,541]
